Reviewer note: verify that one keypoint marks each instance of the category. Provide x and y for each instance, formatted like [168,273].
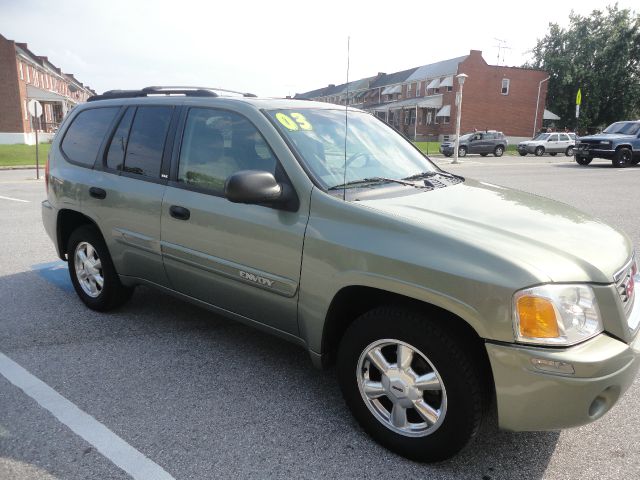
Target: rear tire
[457,397]
[583,160]
[622,158]
[92,272]
[498,151]
[569,152]
[539,151]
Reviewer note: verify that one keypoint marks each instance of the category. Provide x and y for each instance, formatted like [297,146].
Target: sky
[272,48]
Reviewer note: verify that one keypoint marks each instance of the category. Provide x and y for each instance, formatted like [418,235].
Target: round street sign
[35,108]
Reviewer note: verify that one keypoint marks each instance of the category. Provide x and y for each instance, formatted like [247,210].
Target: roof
[392,78]
[438,69]
[432,101]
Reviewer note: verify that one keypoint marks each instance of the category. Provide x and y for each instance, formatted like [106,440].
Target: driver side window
[217,144]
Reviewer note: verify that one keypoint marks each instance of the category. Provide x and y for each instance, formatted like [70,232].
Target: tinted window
[553,138]
[564,137]
[146,141]
[118,145]
[85,135]
[217,144]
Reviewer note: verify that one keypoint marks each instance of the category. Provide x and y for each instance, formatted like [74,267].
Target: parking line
[14,199]
[82,424]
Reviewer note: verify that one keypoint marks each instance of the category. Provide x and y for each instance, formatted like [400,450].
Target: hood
[557,242]
[607,137]
[530,142]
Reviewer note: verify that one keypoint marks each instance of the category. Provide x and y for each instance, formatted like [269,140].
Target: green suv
[436,296]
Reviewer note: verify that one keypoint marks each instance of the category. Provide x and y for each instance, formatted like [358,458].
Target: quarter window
[84,137]
[146,141]
[218,143]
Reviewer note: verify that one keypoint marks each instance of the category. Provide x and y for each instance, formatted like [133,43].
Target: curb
[20,167]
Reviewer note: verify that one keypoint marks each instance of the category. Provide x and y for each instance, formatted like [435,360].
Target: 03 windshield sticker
[294,121]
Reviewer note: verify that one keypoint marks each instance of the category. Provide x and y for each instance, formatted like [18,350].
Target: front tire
[523,154]
[583,160]
[462,151]
[412,384]
[539,151]
[92,273]
[622,158]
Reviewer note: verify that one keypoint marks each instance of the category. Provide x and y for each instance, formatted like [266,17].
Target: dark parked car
[483,143]
[619,142]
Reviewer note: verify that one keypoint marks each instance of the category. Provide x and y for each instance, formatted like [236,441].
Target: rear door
[129,187]
[553,144]
[241,258]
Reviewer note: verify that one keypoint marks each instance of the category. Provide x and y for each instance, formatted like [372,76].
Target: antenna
[502,47]
[346,126]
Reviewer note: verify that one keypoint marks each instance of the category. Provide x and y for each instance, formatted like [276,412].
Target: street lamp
[461,78]
[535,115]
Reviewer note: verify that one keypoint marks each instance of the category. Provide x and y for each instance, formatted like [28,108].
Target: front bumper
[446,150]
[527,148]
[594,153]
[530,399]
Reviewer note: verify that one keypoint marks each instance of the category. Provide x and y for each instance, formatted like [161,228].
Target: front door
[242,258]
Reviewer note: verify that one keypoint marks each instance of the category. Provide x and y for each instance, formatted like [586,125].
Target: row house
[25,76]
[421,102]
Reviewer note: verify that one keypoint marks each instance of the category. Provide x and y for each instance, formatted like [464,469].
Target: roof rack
[155,91]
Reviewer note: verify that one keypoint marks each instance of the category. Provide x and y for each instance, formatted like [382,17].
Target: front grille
[626,288]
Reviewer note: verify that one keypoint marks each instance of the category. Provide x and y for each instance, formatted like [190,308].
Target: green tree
[600,54]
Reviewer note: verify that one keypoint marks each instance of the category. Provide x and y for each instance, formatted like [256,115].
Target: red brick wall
[483,105]
[11,113]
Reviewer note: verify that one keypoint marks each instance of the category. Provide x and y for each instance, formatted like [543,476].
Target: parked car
[551,143]
[483,143]
[619,142]
[432,292]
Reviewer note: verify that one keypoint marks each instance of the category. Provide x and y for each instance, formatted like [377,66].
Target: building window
[412,117]
[415,89]
[505,86]
[26,111]
[21,72]
[449,88]
[446,120]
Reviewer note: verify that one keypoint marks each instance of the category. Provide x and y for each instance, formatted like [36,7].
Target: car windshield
[373,149]
[625,128]
[541,136]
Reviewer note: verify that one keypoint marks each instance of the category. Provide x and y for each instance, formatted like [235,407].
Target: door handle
[98,193]
[179,212]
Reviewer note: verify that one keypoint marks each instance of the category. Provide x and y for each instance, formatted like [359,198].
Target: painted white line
[82,424]
[14,199]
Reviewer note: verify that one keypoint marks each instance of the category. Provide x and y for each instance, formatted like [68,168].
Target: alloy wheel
[88,267]
[402,388]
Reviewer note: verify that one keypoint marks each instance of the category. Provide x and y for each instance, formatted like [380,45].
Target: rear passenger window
[118,146]
[85,135]
[146,141]
[216,144]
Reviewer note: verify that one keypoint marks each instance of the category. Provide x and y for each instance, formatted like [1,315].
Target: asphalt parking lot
[202,397]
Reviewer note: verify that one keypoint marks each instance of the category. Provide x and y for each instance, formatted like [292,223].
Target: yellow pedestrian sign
[579,97]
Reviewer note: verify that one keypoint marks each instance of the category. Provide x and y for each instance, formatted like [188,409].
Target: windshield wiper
[374,180]
[418,176]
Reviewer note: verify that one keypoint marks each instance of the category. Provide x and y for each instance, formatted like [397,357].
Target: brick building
[25,76]
[421,101]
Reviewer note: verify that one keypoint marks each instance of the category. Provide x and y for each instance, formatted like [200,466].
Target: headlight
[556,314]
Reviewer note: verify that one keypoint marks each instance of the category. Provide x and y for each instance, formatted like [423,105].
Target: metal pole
[457,144]
[415,125]
[535,115]
[37,159]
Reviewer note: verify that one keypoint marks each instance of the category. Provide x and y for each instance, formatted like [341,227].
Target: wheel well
[624,146]
[351,302]
[68,221]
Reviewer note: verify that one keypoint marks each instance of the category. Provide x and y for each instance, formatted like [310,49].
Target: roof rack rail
[158,90]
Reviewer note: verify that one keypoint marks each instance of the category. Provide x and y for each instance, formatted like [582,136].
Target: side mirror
[259,188]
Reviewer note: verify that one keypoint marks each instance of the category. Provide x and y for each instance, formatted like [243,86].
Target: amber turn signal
[537,318]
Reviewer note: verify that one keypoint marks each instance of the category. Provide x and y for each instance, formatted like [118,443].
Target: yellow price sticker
[296,121]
